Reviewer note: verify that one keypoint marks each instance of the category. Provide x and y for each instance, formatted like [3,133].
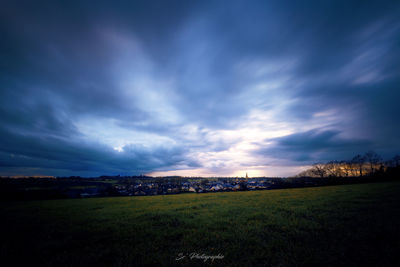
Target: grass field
[324,226]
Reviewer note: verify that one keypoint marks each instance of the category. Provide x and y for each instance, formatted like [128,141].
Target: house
[216,187]
[192,189]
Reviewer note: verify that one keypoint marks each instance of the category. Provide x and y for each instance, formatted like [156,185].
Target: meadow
[320,226]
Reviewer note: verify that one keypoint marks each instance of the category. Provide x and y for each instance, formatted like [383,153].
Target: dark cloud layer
[89,88]
[313,146]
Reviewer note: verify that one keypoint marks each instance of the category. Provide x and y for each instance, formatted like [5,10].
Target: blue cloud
[177,85]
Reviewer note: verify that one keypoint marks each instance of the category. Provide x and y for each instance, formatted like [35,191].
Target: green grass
[325,226]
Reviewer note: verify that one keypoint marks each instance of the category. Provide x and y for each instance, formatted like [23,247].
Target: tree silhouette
[373,159]
[359,162]
[319,169]
[345,168]
[396,161]
[333,168]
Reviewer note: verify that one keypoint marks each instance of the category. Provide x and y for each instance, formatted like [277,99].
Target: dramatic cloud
[195,88]
[312,146]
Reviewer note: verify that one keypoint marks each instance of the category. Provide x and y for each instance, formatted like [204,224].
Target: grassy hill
[330,226]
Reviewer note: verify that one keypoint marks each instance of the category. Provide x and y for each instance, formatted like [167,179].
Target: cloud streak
[207,88]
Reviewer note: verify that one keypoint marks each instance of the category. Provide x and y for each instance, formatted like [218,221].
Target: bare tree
[359,162]
[373,159]
[369,163]
[319,169]
[344,168]
[351,168]
[396,161]
[333,168]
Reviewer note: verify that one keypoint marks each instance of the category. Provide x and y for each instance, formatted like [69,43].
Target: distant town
[12,188]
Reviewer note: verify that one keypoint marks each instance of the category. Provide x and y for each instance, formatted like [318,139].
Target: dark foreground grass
[325,226]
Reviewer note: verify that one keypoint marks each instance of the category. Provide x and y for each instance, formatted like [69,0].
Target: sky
[196,88]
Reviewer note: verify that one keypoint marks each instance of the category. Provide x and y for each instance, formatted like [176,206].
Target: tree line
[369,164]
